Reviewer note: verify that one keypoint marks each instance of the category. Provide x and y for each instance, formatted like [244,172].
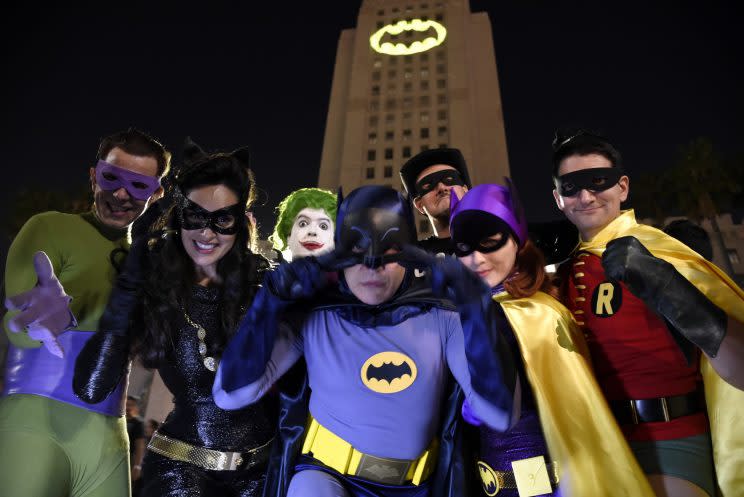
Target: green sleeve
[19,268]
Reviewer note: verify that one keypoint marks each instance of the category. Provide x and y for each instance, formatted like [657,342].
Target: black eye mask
[480,227]
[595,179]
[448,177]
[225,221]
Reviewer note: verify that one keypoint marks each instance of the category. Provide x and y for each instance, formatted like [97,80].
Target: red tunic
[633,352]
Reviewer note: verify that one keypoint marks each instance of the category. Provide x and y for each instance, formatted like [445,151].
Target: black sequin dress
[196,419]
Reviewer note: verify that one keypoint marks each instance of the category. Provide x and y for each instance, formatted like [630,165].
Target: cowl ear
[454,200]
[192,152]
[243,155]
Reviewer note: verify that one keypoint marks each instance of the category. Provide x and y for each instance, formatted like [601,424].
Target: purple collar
[111,177]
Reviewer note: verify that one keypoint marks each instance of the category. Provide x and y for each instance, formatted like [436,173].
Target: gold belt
[337,453]
[210,459]
[528,474]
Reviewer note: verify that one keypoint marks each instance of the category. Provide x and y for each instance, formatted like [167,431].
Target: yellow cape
[581,433]
[725,402]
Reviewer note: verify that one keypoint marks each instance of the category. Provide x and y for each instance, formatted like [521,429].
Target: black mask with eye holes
[481,226]
[594,179]
[225,221]
[372,220]
[448,177]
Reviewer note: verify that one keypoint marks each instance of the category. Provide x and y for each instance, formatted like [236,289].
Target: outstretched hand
[44,310]
[304,277]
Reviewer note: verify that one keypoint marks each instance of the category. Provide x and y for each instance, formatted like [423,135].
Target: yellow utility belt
[335,452]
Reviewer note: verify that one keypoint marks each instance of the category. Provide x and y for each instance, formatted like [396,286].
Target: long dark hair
[169,283]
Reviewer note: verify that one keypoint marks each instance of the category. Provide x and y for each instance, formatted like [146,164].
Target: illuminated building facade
[412,75]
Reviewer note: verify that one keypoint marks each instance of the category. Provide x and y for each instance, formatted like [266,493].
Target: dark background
[651,76]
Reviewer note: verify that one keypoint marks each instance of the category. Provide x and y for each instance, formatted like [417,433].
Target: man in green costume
[59,274]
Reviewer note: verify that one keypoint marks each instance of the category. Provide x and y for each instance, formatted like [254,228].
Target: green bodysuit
[51,448]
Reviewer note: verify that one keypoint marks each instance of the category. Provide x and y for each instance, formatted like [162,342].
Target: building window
[391,73]
[407,102]
[373,121]
[380,24]
[424,100]
[376,76]
[407,86]
[441,114]
[371,155]
[442,131]
[391,87]
[407,74]
[396,10]
[407,59]
[424,116]
[389,118]
[374,105]
[406,152]
[424,148]
[370,173]
[441,98]
[381,12]
[733,256]
[439,17]
[424,73]
[441,55]
[390,104]
[441,83]
[375,90]
[424,56]
[388,153]
[372,138]
[388,172]
[424,132]
[424,5]
[441,69]
[388,135]
[425,86]
[377,63]
[406,134]
[393,61]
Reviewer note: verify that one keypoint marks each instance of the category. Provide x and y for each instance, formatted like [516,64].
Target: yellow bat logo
[491,482]
[418,46]
[388,372]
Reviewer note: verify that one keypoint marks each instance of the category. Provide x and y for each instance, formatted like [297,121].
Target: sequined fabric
[196,419]
[523,440]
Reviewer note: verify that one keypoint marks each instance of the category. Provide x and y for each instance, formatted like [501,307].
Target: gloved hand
[491,365]
[45,310]
[249,350]
[105,357]
[660,286]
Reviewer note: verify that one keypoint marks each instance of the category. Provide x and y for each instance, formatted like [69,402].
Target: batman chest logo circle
[388,372]
[489,480]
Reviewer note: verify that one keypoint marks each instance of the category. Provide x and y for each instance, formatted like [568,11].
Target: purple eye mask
[139,186]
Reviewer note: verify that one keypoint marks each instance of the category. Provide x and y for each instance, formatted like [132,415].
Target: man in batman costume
[377,348]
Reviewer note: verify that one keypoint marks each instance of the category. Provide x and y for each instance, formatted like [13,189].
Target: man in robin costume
[649,305]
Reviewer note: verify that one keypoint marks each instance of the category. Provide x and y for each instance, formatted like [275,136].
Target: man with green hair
[304,225]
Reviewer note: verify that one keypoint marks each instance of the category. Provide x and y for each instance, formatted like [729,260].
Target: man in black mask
[428,178]
[378,348]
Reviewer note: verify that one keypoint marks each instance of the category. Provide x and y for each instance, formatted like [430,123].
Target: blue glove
[491,365]
[249,350]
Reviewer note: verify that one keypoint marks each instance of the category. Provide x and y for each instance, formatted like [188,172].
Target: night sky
[651,77]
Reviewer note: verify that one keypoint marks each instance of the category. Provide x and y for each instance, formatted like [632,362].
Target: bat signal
[417,46]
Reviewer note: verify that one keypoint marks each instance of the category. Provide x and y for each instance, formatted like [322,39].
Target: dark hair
[568,142]
[171,274]
[528,274]
[691,235]
[135,142]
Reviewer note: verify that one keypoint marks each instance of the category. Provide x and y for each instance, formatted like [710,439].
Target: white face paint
[312,233]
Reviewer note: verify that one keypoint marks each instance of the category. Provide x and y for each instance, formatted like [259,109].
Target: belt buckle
[634,412]
[383,469]
[234,460]
[492,481]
